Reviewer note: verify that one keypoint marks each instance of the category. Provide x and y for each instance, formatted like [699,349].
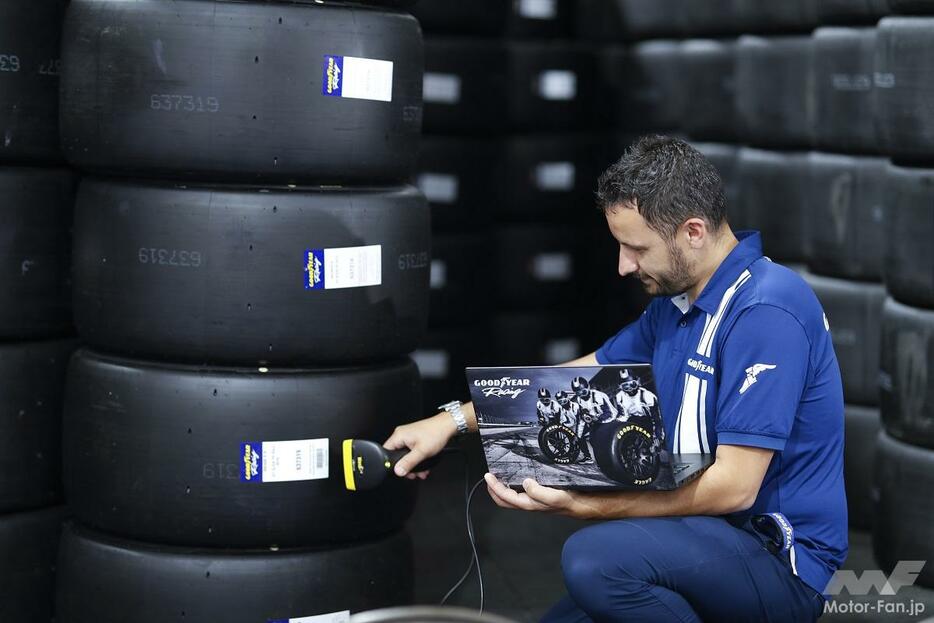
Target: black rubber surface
[906,380]
[104,578]
[851,11]
[903,529]
[774,89]
[854,311]
[912,6]
[709,66]
[441,359]
[909,261]
[458,176]
[487,87]
[538,264]
[546,19]
[847,206]
[29,70]
[712,17]
[238,90]
[539,338]
[155,452]
[843,79]
[461,264]
[28,549]
[785,16]
[773,194]
[725,158]
[599,20]
[35,251]
[32,383]
[647,83]
[904,95]
[552,177]
[221,274]
[862,428]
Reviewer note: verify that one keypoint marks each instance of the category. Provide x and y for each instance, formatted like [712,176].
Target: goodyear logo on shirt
[314,269]
[252,461]
[333,73]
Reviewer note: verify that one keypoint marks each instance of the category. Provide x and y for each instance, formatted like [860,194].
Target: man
[569,411]
[633,400]
[546,407]
[746,371]
[594,406]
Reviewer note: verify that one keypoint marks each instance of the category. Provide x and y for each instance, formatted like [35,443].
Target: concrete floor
[520,555]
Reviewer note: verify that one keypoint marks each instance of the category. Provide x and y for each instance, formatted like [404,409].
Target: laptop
[590,428]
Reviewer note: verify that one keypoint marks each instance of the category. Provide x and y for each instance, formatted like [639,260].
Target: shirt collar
[743,254]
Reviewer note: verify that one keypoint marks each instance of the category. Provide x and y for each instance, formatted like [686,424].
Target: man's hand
[424,439]
[731,484]
[543,499]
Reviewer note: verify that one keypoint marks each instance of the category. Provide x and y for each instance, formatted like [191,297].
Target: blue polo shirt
[750,363]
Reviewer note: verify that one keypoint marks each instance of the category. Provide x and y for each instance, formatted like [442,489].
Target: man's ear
[695,232]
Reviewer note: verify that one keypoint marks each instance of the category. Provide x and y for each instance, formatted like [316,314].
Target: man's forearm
[713,493]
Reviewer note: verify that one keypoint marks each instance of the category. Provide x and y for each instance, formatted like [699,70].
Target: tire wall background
[37,192]
[817,113]
[818,116]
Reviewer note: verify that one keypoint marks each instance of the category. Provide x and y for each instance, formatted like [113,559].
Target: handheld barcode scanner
[367,464]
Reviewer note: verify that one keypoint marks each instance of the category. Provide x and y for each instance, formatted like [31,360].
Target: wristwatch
[454,408]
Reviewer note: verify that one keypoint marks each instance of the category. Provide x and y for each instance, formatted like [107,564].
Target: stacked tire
[509,163]
[904,130]
[905,447]
[36,328]
[250,271]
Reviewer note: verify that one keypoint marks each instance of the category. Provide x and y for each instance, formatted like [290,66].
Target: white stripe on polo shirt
[710,328]
[691,427]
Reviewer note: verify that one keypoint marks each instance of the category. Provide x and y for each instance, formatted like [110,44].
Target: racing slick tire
[559,444]
[243,91]
[103,578]
[626,452]
[231,457]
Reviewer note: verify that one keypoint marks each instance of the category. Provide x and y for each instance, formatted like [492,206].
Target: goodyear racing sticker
[334,617]
[284,461]
[347,267]
[357,78]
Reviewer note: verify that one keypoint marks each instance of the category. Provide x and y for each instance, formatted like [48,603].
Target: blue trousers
[687,569]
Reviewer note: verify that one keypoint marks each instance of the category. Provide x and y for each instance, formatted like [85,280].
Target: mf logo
[904,574]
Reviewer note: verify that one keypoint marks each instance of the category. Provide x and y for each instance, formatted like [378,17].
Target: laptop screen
[594,427]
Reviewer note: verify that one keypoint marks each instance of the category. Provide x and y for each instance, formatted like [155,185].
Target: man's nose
[627,263]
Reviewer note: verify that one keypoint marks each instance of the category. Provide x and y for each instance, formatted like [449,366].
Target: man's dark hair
[668,181]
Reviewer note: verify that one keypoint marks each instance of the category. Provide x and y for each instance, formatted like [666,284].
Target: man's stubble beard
[675,281]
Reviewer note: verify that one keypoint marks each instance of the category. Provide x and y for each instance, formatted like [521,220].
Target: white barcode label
[357,78]
[432,364]
[538,9]
[334,617]
[557,84]
[348,267]
[438,187]
[441,88]
[284,461]
[552,266]
[561,351]
[439,274]
[555,176]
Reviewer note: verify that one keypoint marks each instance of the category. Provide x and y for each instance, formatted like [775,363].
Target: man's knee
[595,558]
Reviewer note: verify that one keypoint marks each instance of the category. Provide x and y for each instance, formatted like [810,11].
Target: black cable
[475,558]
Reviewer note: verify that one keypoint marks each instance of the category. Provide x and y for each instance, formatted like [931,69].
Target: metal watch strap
[454,409]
